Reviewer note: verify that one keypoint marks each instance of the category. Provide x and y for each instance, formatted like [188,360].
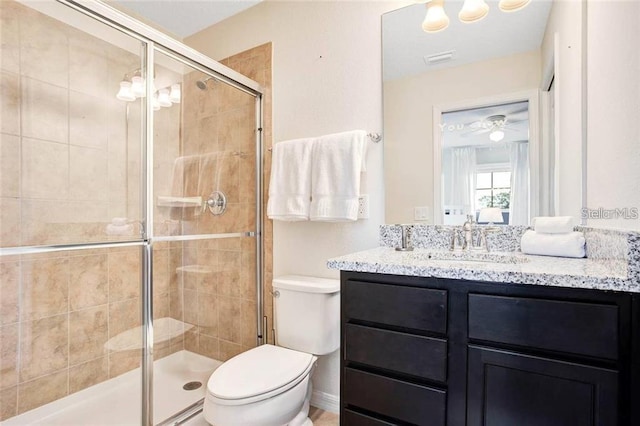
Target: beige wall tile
[176,305]
[229,349]
[121,362]
[42,390]
[190,306]
[45,169]
[9,290]
[88,121]
[209,347]
[208,319]
[88,284]
[45,110]
[44,346]
[9,165]
[88,374]
[124,275]
[8,399]
[88,333]
[248,327]
[161,271]
[9,102]
[229,319]
[123,316]
[88,65]
[45,288]
[161,307]
[44,52]
[191,341]
[88,176]
[9,222]
[9,355]
[9,36]
[235,133]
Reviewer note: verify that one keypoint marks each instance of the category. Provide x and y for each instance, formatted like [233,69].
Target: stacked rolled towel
[553,236]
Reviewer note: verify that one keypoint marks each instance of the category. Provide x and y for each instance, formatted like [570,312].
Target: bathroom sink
[471,256]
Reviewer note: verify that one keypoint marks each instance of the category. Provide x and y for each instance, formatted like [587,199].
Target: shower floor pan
[117,401]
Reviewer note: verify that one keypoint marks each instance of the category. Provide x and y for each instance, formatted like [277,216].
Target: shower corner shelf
[180,202]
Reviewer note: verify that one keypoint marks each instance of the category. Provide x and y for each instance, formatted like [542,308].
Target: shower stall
[130,217]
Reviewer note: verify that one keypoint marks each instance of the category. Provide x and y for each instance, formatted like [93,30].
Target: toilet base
[302,419]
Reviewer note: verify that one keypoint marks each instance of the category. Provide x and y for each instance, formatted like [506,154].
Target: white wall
[326,78]
[613,76]
[408,122]
[565,25]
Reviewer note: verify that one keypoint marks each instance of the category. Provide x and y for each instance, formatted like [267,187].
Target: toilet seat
[258,374]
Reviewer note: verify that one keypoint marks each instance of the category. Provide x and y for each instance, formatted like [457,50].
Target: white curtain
[459,178]
[519,200]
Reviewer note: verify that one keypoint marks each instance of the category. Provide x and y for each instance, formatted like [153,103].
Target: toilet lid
[258,371]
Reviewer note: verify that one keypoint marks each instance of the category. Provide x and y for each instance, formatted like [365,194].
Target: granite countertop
[587,273]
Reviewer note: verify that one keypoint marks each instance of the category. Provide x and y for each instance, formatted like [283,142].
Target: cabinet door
[507,388]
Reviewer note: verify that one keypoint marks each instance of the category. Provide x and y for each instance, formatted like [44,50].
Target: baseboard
[325,401]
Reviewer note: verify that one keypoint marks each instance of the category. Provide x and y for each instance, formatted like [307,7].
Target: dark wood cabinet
[427,351]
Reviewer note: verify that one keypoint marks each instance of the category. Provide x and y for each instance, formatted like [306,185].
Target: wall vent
[439,58]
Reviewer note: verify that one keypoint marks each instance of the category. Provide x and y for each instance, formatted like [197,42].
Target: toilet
[271,385]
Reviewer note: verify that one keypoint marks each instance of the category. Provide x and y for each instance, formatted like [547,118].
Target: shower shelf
[165,201]
[164,329]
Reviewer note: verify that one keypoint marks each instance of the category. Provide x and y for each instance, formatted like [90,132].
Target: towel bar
[375,137]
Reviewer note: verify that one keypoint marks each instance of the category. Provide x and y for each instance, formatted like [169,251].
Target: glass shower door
[204,249]
[70,218]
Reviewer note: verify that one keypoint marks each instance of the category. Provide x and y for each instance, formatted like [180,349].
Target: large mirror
[474,113]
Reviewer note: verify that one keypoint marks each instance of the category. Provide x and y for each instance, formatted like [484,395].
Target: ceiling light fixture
[497,135]
[473,11]
[512,5]
[436,18]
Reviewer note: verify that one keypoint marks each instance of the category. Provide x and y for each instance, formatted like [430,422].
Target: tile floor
[323,418]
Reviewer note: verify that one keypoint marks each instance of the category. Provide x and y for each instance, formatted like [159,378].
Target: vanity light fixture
[163,98]
[512,5]
[473,11]
[125,93]
[436,18]
[175,94]
[138,86]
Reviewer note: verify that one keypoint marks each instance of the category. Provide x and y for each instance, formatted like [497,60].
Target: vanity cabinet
[427,351]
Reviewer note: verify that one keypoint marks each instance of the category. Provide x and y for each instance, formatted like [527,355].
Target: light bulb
[175,94]
[496,135]
[124,94]
[436,18]
[512,5]
[138,87]
[473,11]
[163,98]
[154,102]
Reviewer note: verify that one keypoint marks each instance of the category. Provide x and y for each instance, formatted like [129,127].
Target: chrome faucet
[467,229]
[405,244]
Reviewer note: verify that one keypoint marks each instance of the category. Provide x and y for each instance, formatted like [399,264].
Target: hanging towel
[290,184]
[553,224]
[337,161]
[184,186]
[570,244]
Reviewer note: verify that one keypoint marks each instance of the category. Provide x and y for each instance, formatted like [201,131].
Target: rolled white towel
[570,244]
[119,229]
[553,224]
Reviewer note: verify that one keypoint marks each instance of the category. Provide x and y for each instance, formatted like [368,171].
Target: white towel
[553,224]
[570,244]
[337,162]
[290,184]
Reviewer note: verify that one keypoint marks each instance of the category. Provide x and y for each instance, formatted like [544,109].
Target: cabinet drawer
[351,418]
[573,327]
[404,401]
[405,353]
[409,307]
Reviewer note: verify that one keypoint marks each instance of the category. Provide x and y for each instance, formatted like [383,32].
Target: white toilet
[271,385]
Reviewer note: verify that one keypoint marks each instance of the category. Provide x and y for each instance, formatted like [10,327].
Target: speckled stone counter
[613,262]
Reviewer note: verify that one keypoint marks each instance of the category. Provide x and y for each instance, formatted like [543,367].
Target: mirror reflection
[485,163]
[484,88]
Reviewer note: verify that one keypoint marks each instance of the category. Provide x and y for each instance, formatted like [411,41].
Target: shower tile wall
[220,296]
[66,170]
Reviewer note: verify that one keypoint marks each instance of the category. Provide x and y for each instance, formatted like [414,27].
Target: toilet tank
[307,313]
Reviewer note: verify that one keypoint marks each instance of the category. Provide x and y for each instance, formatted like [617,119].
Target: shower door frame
[153,41]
